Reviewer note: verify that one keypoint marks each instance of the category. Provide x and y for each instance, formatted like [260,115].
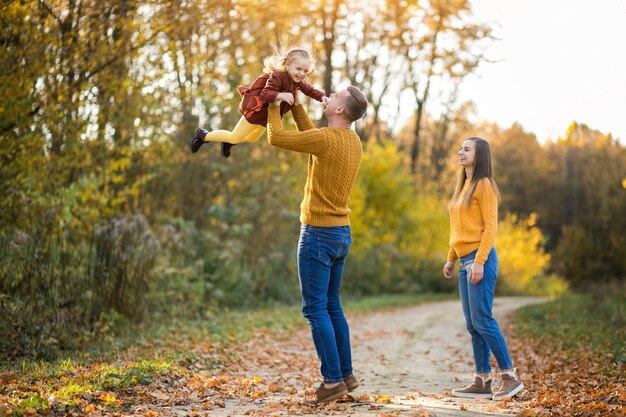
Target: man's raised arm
[301,118]
[311,140]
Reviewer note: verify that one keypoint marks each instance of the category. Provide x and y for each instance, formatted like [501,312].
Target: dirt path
[407,361]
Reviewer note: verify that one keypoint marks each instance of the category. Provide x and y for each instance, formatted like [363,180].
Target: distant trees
[575,185]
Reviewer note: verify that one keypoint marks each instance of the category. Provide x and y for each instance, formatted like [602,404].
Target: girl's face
[298,68]
[467,153]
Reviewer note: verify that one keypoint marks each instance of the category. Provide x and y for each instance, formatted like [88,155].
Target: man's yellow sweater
[474,227]
[335,156]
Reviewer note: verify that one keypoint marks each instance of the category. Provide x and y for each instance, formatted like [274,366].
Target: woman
[473,225]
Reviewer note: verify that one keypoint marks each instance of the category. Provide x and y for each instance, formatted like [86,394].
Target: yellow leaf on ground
[382,399]
[107,397]
[89,409]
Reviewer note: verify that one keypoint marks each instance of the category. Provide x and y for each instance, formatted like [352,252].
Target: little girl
[283,75]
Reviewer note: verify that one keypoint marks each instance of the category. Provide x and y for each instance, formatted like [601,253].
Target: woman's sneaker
[481,388]
[511,385]
[351,383]
[198,140]
[325,395]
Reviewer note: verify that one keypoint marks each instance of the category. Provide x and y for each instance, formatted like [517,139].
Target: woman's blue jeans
[477,300]
[321,255]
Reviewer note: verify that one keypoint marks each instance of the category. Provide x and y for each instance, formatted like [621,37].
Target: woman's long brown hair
[482,169]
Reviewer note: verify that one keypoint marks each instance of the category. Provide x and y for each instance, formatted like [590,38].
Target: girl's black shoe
[226,149]
[198,140]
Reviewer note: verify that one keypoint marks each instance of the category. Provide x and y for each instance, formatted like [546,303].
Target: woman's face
[467,153]
[298,68]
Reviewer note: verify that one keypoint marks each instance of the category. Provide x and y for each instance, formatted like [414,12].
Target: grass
[238,325]
[171,339]
[578,321]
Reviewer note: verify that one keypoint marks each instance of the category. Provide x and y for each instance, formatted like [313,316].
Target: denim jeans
[477,300]
[321,255]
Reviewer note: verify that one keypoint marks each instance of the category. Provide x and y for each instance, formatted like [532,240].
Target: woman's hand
[286,97]
[448,270]
[476,272]
[296,98]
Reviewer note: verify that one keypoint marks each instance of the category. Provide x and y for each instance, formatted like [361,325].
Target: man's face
[337,100]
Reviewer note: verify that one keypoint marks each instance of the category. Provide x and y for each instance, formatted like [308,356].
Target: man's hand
[325,101]
[286,97]
[448,270]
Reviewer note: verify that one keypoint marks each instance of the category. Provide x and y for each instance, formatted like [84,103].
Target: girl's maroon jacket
[255,99]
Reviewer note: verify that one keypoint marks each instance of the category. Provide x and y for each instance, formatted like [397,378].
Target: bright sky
[559,61]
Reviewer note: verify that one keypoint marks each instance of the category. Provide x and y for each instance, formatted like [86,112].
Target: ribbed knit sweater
[335,156]
[474,227]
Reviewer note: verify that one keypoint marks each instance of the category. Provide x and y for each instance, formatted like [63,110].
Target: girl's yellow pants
[243,132]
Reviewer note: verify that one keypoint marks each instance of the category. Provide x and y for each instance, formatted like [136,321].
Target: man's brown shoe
[325,395]
[351,383]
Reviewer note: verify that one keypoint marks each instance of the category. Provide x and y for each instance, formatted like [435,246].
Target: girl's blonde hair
[283,56]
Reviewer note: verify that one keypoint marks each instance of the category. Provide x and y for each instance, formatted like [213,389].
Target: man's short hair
[356,104]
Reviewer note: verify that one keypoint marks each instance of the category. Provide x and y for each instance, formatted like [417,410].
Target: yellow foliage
[522,260]
[396,228]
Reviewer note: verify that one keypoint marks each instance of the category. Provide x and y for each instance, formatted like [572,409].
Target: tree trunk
[415,147]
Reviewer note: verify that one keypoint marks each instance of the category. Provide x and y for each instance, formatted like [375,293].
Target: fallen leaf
[159,395]
[107,397]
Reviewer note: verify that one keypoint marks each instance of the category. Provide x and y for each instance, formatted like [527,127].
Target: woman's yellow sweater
[474,227]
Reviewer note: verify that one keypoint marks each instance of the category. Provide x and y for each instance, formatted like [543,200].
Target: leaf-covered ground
[573,352]
[408,360]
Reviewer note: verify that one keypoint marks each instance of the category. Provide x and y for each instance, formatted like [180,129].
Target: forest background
[107,220]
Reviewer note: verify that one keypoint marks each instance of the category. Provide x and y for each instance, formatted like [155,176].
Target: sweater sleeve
[310,141]
[301,118]
[272,88]
[488,202]
[452,257]
[312,92]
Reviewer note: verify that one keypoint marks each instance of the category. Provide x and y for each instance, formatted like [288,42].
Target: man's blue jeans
[321,255]
[477,300]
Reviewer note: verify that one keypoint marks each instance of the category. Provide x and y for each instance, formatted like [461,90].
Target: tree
[439,42]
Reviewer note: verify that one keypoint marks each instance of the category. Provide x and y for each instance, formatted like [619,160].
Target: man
[325,238]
